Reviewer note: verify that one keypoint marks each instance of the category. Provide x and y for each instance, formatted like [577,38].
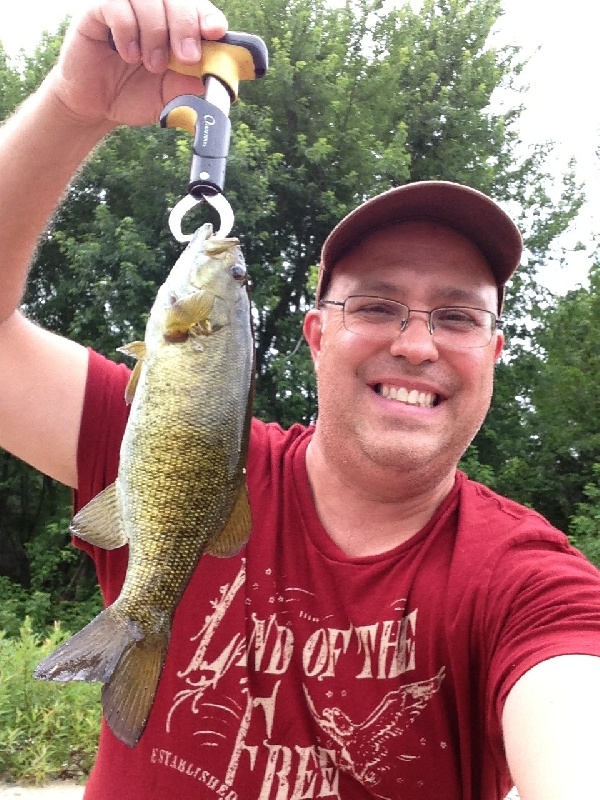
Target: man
[391,630]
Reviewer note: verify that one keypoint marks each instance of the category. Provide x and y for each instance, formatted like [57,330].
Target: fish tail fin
[127,698]
[92,653]
[115,651]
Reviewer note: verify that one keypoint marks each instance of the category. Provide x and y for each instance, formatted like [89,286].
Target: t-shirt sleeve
[103,422]
[543,601]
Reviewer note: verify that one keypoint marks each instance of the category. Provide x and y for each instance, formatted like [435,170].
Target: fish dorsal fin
[135,350]
[99,522]
[236,531]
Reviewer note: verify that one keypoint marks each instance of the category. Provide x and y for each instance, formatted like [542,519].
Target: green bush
[49,730]
[43,608]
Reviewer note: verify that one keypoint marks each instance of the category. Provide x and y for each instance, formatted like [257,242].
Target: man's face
[444,394]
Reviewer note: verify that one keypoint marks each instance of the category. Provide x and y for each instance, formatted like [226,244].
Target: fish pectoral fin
[135,350]
[236,532]
[189,313]
[99,522]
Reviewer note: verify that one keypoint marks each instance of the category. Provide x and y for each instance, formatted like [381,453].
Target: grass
[49,730]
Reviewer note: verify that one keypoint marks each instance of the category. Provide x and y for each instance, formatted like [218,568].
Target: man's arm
[43,376]
[89,92]
[552,731]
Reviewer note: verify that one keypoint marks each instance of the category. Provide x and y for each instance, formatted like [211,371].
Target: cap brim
[467,210]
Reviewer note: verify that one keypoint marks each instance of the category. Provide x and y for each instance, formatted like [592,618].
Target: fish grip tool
[224,63]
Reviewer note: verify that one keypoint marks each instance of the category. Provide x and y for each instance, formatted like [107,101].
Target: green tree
[542,440]
[34,509]
[11,90]
[566,400]
[584,525]
[357,98]
[506,443]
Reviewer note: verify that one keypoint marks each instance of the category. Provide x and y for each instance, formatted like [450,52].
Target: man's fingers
[213,22]
[185,33]
[120,18]
[150,29]
[189,22]
[153,33]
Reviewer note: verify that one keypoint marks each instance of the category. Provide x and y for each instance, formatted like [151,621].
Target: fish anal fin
[99,522]
[189,314]
[236,532]
[128,697]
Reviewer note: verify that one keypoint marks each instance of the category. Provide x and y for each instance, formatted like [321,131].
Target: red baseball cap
[467,210]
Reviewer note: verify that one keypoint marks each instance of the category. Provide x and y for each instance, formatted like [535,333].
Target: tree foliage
[541,440]
[566,402]
[584,525]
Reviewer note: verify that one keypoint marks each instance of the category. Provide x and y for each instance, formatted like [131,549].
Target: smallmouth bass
[180,490]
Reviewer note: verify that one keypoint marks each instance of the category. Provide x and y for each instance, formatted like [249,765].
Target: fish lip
[410,385]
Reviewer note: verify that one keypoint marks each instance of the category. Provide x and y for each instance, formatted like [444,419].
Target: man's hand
[98,86]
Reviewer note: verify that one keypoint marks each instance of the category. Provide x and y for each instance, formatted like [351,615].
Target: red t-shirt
[296,672]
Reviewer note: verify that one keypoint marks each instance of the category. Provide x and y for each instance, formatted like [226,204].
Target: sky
[560,39]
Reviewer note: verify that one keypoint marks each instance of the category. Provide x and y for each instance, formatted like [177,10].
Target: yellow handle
[234,58]
[184,117]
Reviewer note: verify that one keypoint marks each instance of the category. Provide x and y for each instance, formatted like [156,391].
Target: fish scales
[202,452]
[181,489]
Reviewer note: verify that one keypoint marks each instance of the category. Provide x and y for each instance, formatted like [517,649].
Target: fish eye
[238,272]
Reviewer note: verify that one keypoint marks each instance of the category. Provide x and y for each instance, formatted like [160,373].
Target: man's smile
[410,396]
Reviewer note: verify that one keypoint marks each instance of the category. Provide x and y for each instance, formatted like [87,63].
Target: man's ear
[499,347]
[313,331]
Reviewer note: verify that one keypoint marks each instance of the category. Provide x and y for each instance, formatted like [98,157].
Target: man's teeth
[413,398]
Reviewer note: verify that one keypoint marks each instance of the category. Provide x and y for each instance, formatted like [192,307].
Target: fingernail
[215,20]
[189,48]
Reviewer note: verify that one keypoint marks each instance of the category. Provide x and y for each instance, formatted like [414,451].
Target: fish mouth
[215,247]
[411,397]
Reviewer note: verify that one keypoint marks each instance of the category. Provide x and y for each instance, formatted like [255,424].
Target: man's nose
[415,342]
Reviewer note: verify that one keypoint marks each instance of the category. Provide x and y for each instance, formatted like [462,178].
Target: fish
[181,488]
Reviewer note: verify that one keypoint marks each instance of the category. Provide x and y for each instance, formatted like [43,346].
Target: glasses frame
[496,322]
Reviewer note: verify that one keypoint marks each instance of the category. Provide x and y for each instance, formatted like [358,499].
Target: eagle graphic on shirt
[361,746]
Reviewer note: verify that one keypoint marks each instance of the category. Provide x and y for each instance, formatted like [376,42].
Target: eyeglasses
[382,319]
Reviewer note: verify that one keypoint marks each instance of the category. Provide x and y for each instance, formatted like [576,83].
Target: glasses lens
[374,317]
[462,327]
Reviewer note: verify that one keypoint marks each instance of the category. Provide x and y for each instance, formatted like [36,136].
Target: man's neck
[366,509]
